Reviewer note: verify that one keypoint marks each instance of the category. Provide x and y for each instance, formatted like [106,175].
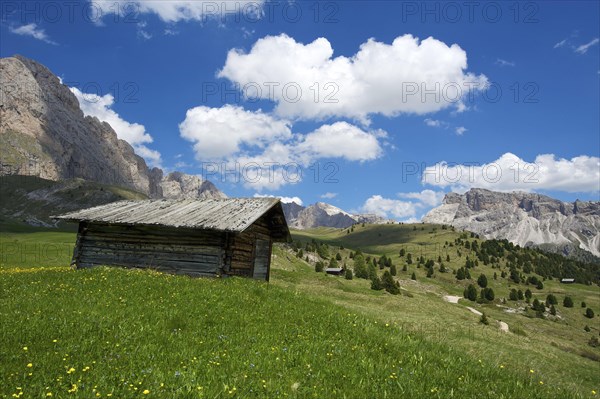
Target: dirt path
[477,312]
[451,298]
[454,299]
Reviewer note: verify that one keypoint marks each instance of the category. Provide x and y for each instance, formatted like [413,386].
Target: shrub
[520,295]
[589,313]
[551,300]
[587,328]
[540,285]
[568,302]
[583,305]
[393,270]
[338,256]
[513,295]
[430,272]
[484,320]
[405,268]
[552,310]
[414,276]
[528,293]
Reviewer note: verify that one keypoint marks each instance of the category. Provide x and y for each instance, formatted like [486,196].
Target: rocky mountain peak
[522,218]
[44,133]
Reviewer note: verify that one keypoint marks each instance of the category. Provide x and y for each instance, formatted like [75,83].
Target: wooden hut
[214,237]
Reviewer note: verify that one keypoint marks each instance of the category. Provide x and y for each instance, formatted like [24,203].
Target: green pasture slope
[117,333]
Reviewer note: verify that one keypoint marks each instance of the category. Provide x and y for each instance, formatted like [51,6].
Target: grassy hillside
[110,332]
[30,201]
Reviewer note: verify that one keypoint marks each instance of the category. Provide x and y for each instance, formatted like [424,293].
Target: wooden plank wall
[181,251]
[244,248]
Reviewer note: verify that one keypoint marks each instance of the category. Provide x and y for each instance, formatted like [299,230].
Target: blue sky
[513,100]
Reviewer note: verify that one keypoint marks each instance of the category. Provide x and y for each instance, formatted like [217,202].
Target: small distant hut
[335,271]
[213,237]
[567,280]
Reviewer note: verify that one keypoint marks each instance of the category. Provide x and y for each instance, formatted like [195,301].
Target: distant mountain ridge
[44,133]
[322,214]
[523,218]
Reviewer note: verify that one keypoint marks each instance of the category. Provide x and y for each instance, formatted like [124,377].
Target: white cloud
[34,31]
[252,142]
[582,49]
[511,173]
[340,140]
[427,198]
[285,200]
[221,132]
[182,10]
[380,78]
[579,49]
[405,211]
[329,195]
[386,207]
[134,133]
[561,43]
[503,63]
[433,122]
[460,130]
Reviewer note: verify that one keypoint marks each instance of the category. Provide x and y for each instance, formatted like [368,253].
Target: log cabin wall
[175,250]
[244,249]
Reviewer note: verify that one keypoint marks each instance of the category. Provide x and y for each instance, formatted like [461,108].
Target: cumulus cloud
[406,211]
[252,142]
[434,122]
[134,133]
[220,132]
[329,195]
[460,130]
[34,31]
[425,198]
[386,207]
[182,10]
[285,200]
[512,173]
[307,82]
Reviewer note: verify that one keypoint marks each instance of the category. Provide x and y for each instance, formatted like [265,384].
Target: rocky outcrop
[44,133]
[522,218]
[323,215]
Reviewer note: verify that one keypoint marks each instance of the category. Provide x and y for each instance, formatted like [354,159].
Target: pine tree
[551,300]
[333,263]
[376,283]
[414,276]
[552,310]
[405,268]
[528,293]
[389,284]
[482,281]
[513,295]
[338,256]
[583,304]
[348,274]
[360,269]
[471,293]
[393,271]
[430,272]
[402,252]
[589,313]
[568,302]
[319,267]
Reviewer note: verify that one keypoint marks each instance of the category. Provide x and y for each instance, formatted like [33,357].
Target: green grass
[304,335]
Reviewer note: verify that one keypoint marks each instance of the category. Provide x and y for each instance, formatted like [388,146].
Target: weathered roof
[231,214]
